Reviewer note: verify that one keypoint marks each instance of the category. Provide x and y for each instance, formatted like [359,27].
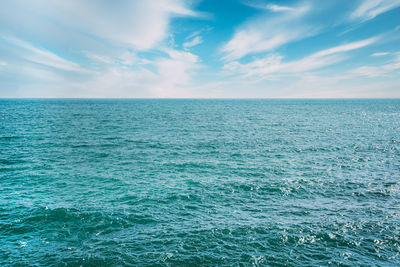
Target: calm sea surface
[199,182]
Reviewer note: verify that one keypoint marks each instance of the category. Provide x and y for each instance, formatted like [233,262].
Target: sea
[197,182]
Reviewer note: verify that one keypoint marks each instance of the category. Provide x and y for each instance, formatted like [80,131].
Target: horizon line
[200,98]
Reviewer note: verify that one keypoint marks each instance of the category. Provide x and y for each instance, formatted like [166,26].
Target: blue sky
[202,49]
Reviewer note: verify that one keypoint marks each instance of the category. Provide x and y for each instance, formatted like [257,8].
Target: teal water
[199,182]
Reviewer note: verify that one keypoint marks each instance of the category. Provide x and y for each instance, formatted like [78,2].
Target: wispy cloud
[166,76]
[103,40]
[99,59]
[277,8]
[121,23]
[44,57]
[169,75]
[124,58]
[378,70]
[288,24]
[264,33]
[346,47]
[265,6]
[369,9]
[379,54]
[273,64]
[193,42]
[140,49]
[176,68]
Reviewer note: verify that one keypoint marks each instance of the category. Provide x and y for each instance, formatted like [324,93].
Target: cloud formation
[273,64]
[264,33]
[123,22]
[369,9]
[193,42]
[151,48]
[100,41]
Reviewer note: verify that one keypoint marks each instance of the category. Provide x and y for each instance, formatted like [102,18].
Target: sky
[200,49]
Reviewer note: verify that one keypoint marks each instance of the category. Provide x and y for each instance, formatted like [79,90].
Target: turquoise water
[199,182]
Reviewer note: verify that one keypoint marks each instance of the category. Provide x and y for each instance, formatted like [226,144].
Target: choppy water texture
[199,182]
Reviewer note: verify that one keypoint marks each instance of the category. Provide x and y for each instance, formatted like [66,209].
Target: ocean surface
[199,182]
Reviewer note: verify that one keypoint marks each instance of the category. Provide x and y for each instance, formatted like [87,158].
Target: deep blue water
[199,182]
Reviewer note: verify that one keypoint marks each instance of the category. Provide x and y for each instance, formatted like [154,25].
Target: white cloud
[378,71]
[125,58]
[115,82]
[369,9]
[195,41]
[273,65]
[263,5]
[44,57]
[45,72]
[277,8]
[270,77]
[171,77]
[379,54]
[117,49]
[264,33]
[287,24]
[99,58]
[346,47]
[139,24]
[95,48]
[174,72]
[364,81]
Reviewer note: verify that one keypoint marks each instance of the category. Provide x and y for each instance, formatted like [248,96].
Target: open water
[199,182]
